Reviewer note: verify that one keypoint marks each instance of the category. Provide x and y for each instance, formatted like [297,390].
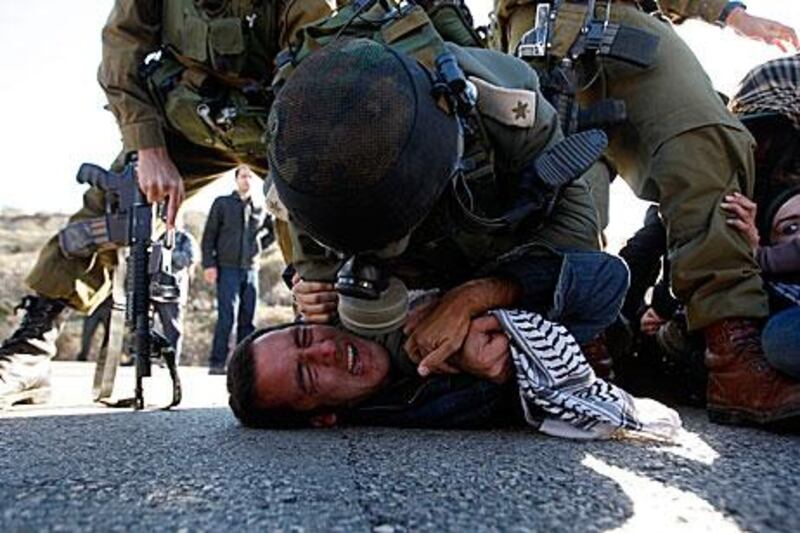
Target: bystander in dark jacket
[235,233]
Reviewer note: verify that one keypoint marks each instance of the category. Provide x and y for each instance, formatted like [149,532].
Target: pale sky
[52,112]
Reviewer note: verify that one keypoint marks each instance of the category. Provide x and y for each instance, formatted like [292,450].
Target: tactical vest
[212,79]
[227,38]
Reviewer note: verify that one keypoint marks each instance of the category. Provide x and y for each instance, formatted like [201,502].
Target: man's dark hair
[241,388]
[239,170]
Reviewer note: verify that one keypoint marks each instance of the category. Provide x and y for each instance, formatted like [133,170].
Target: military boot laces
[742,387]
[36,334]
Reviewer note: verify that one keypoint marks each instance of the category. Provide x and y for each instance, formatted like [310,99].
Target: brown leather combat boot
[742,387]
[598,357]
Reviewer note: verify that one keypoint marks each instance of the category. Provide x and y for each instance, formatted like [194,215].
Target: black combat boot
[25,356]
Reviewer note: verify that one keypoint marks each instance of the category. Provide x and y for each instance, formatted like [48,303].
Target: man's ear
[325,420]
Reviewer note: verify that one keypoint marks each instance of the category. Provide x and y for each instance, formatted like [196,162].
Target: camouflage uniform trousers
[680,147]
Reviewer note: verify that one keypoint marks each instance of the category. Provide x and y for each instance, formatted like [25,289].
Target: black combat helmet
[359,149]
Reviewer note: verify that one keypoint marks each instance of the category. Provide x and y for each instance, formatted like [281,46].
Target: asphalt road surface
[75,466]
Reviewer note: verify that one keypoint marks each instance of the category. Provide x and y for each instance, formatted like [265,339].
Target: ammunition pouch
[84,238]
[224,37]
[207,112]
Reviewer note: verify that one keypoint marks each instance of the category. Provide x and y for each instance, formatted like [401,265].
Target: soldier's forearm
[482,295]
[133,31]
[707,10]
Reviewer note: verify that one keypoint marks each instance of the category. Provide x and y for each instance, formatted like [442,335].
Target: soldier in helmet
[188,83]
[423,177]
[677,145]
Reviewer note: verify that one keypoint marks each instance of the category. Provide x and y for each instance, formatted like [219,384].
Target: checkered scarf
[773,87]
[561,395]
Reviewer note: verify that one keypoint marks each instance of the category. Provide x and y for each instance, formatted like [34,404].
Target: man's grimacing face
[311,366]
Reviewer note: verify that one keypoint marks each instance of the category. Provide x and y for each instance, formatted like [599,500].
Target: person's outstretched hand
[741,211]
[764,30]
[159,179]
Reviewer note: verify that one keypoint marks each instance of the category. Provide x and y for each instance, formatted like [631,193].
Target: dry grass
[21,236]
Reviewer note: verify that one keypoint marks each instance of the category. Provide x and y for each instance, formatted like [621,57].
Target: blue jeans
[237,293]
[583,291]
[781,341]
[589,293]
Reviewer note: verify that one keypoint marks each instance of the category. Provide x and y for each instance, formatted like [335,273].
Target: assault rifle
[144,271]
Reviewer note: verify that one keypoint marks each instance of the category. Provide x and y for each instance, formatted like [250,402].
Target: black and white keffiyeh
[772,87]
[560,393]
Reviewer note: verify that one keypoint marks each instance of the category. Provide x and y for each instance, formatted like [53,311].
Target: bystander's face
[243,177]
[307,367]
[786,224]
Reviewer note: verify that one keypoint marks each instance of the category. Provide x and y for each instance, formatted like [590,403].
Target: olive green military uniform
[520,124]
[224,44]
[679,147]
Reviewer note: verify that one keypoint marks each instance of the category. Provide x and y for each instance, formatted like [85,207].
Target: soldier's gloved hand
[485,353]
[761,29]
[315,301]
[159,179]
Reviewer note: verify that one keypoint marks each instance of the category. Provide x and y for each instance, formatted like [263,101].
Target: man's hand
[159,178]
[764,30]
[210,274]
[742,212]
[439,334]
[442,332]
[315,301]
[485,353]
[651,321]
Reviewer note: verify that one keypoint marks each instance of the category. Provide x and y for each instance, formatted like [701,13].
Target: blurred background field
[22,234]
